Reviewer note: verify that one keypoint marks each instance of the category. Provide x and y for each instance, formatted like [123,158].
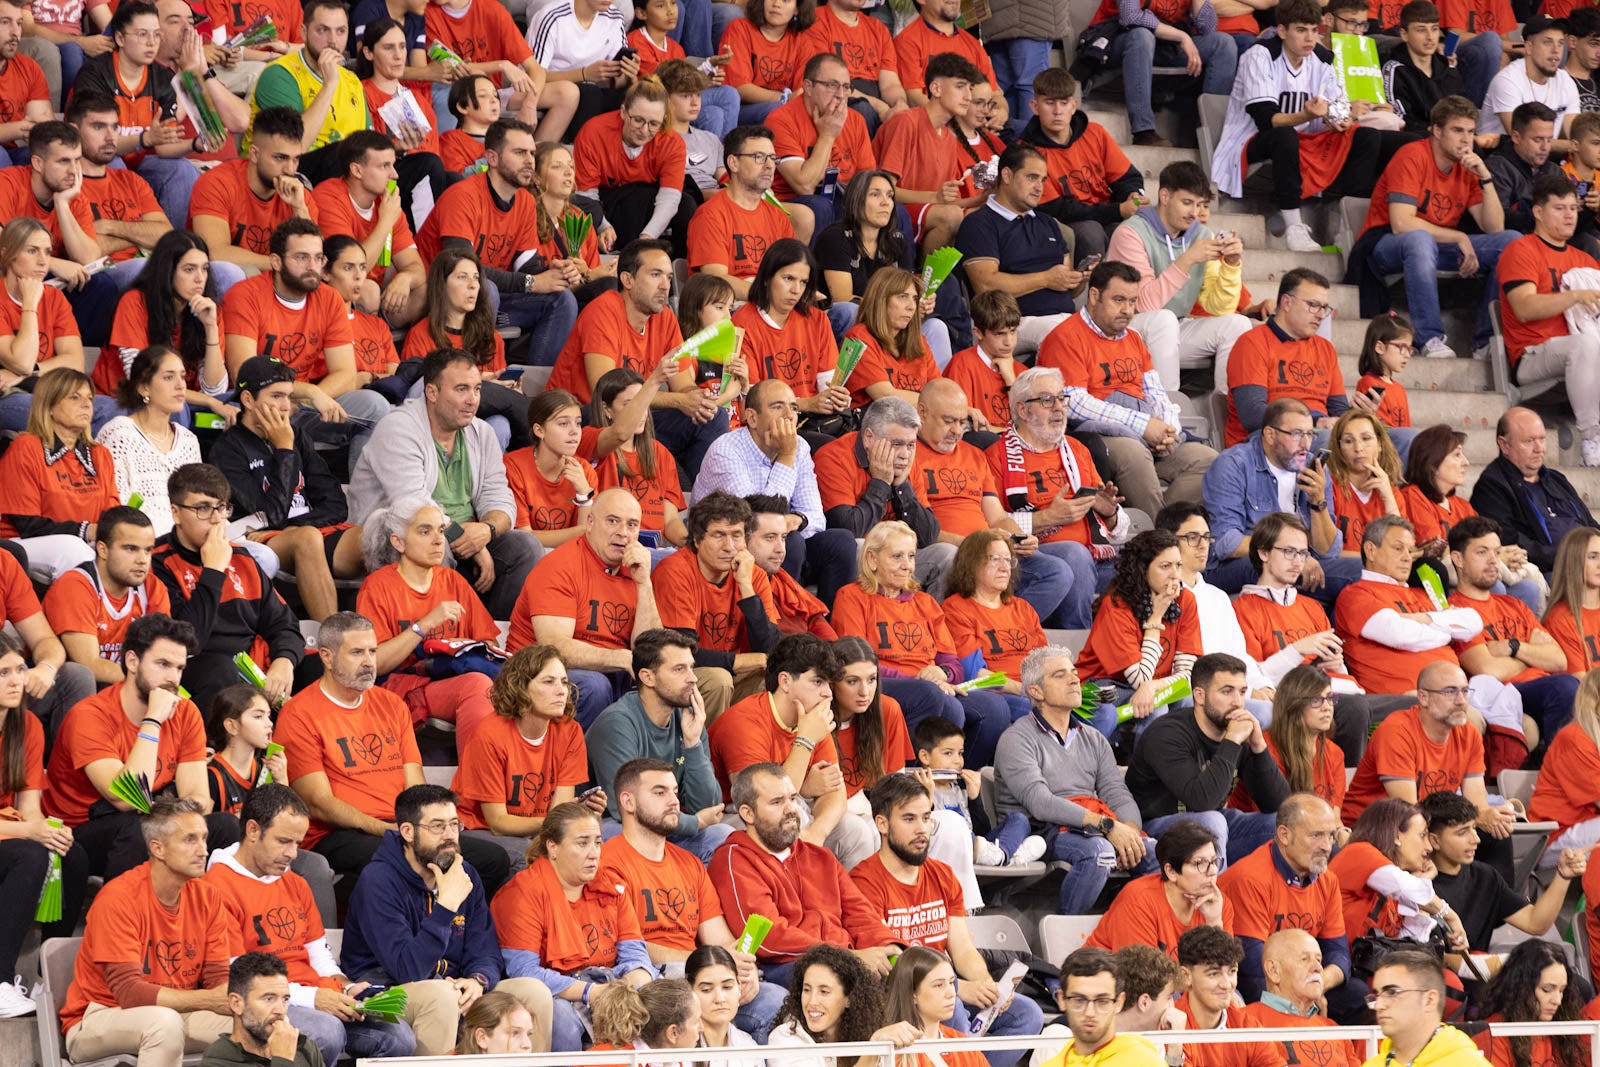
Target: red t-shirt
[1087,166]
[1379,668]
[1044,475]
[75,605]
[653,494]
[339,214]
[459,150]
[1365,909]
[602,164]
[878,366]
[1263,903]
[123,196]
[55,321]
[866,48]
[130,329]
[1351,514]
[571,582]
[1395,408]
[651,55]
[748,733]
[224,192]
[954,486]
[1433,520]
[1413,177]
[1400,750]
[501,766]
[917,914]
[726,235]
[278,917]
[468,211]
[1327,1052]
[1559,793]
[1478,16]
[794,135]
[420,341]
[298,336]
[531,913]
[1532,261]
[672,895]
[98,729]
[21,83]
[907,632]
[687,601]
[1100,365]
[374,343]
[17,202]
[920,42]
[757,61]
[1141,915]
[32,759]
[235,15]
[1114,638]
[797,352]
[1253,1054]
[483,33]
[920,156]
[1003,636]
[897,750]
[985,389]
[1270,627]
[1304,370]
[1581,644]
[1327,775]
[1504,617]
[603,327]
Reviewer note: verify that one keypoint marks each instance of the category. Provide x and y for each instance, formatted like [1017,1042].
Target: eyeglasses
[985,105]
[1077,1003]
[1204,866]
[1054,400]
[642,123]
[1195,540]
[999,561]
[142,35]
[1317,308]
[1293,555]
[1326,700]
[205,512]
[1453,692]
[1294,435]
[1382,995]
[441,826]
[760,159]
[830,87]
[1344,25]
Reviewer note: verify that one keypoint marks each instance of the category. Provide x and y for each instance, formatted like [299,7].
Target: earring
[144,397]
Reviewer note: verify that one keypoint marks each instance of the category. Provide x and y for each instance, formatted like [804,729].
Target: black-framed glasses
[205,512]
[1449,692]
[1052,400]
[760,159]
[1195,540]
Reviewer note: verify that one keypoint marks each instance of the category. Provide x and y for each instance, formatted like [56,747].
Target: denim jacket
[1239,490]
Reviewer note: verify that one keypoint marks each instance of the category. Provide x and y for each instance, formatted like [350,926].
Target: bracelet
[154,740]
[585,996]
[1485,183]
[152,722]
[805,743]
[418,630]
[583,500]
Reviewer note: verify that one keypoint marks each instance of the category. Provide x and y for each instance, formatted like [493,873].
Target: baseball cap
[1540,23]
[258,372]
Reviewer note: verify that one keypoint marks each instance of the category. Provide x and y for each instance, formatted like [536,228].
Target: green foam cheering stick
[575,227]
[936,268]
[273,749]
[716,343]
[1435,588]
[389,1005]
[50,896]
[756,929]
[851,349]
[249,671]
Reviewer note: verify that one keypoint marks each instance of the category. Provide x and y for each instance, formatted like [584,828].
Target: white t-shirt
[559,43]
[1511,87]
[1286,487]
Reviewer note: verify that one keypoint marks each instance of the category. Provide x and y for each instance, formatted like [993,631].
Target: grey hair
[1379,528]
[1024,387]
[742,790]
[331,634]
[376,548]
[164,811]
[890,411]
[1033,665]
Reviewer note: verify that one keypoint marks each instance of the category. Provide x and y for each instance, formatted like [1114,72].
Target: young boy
[475,103]
[1581,166]
[986,370]
[1416,76]
[240,730]
[684,85]
[941,748]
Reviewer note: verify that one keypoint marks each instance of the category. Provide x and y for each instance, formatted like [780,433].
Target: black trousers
[347,851]
[1370,152]
[414,169]
[629,207]
[115,845]
[23,865]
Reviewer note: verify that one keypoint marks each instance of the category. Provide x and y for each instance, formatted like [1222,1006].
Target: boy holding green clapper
[941,749]
[240,730]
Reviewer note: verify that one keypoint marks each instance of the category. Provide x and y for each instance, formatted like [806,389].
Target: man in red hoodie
[761,871]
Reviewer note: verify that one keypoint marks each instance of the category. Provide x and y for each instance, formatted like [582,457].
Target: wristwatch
[1516,646]
[1105,825]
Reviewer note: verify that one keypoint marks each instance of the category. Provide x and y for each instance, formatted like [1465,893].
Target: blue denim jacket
[1239,490]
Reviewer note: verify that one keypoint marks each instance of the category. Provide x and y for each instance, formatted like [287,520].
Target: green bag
[1355,58]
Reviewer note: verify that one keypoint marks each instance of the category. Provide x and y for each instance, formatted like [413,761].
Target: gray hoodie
[402,459]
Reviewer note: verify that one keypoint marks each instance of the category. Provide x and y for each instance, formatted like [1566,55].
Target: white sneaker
[1438,348]
[1298,238]
[1591,451]
[986,853]
[1031,849]
[1483,350]
[13,1001]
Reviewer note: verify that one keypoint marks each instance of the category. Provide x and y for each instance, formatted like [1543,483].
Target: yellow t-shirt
[1447,1048]
[1124,1050]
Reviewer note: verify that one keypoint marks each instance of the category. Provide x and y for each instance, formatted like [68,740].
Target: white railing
[778,1056]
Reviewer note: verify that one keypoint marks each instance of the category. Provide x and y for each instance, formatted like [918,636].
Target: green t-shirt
[454,492]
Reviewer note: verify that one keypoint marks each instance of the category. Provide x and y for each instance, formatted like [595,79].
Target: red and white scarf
[1015,488]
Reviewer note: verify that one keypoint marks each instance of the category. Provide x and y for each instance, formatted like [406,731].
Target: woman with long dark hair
[922,992]
[833,999]
[380,64]
[786,336]
[175,303]
[1574,615]
[765,46]
[1300,738]
[1534,985]
[146,446]
[346,272]
[1386,876]
[713,974]
[630,456]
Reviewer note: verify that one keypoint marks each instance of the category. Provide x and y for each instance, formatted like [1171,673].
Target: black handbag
[1368,950]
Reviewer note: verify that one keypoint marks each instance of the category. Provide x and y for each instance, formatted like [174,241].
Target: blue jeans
[1420,257]
[1014,829]
[686,439]
[1017,61]
[722,14]
[694,30]
[73,58]
[1093,859]
[362,1040]
[1135,51]
[1075,610]
[1243,40]
[822,209]
[547,317]
[1023,1018]
[566,1029]
[827,559]
[1238,833]
[1526,591]
[1479,60]
[172,180]
[719,110]
[756,1017]
[1043,580]
[596,691]
[1548,701]
[754,114]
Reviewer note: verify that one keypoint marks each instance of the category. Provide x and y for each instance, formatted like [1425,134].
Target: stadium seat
[1060,935]
[1518,785]
[56,958]
[335,936]
[1500,367]
[437,775]
[998,932]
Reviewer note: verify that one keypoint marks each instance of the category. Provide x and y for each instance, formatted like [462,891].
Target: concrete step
[1420,375]
[1266,266]
[1151,161]
[1115,122]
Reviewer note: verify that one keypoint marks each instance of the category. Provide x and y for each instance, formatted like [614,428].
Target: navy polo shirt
[1023,244]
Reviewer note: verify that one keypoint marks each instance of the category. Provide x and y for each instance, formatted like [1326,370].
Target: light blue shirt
[736,465]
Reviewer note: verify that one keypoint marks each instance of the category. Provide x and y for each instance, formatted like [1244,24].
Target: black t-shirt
[836,250]
[1481,897]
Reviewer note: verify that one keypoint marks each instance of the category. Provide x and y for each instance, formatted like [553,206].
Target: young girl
[475,103]
[922,992]
[764,46]
[240,730]
[1384,354]
[620,441]
[654,20]
[549,479]
[705,301]
[714,977]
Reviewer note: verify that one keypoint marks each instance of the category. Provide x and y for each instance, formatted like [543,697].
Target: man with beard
[351,750]
[149,978]
[1091,999]
[24,94]
[1185,766]
[238,205]
[224,594]
[313,80]
[288,314]
[419,919]
[258,997]
[921,902]
[1281,885]
[493,213]
[678,905]
[91,606]
[936,31]
[1117,393]
[768,540]
[1291,961]
[128,221]
[770,869]
[272,912]
[732,231]
[140,726]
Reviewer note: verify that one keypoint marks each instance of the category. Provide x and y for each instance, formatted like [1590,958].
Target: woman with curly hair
[916,654]
[922,992]
[1534,985]
[1365,471]
[1386,876]
[834,999]
[1300,738]
[1146,629]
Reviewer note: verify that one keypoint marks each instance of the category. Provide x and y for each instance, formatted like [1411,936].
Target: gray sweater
[1034,773]
[624,732]
[401,459]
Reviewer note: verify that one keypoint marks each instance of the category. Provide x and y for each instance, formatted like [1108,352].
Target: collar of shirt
[1287,873]
[1065,741]
[1098,332]
[1374,576]
[1272,324]
[1277,1003]
[1004,212]
[984,357]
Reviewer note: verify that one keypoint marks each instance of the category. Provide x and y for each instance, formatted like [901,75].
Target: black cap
[259,372]
[1541,23]
[1584,22]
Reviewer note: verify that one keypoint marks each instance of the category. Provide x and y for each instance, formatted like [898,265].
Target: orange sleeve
[1115,637]
[482,774]
[1247,365]
[588,157]
[672,156]
[572,762]
[836,468]
[911,58]
[377,602]
[212,195]
[850,615]
[1189,628]
[518,916]
[710,237]
[895,144]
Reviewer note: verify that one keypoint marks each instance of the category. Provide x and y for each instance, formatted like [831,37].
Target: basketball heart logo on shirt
[1126,370]
[858,58]
[282,923]
[785,364]
[11,110]
[670,901]
[909,635]
[1088,183]
[1057,477]
[369,747]
[1429,782]
[549,518]
[289,347]
[716,628]
[1319,1053]
[494,247]
[112,207]
[525,787]
[1002,406]
[769,70]
[591,936]
[954,481]
[166,954]
[1014,639]
[1301,371]
[749,247]
[617,617]
[1295,920]
[369,353]
[254,238]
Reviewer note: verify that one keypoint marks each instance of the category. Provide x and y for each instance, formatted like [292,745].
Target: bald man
[1291,961]
[957,484]
[1536,506]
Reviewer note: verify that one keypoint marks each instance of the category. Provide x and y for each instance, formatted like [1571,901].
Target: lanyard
[1388,1060]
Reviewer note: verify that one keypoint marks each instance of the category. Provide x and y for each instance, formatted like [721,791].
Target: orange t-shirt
[339,215]
[1087,166]
[542,504]
[1580,643]
[363,750]
[1099,365]
[63,491]
[726,235]
[877,366]
[75,604]
[278,917]
[377,98]
[984,387]
[1141,915]
[653,494]
[1327,1052]
[1414,176]
[556,246]
[1263,903]
[393,605]
[1114,638]
[1477,16]
[21,83]
[98,729]
[468,211]
[374,344]
[483,33]
[55,321]
[1253,1054]
[1379,668]
[1559,793]
[501,766]
[1044,475]
[236,15]
[459,150]
[916,914]
[794,136]
[672,896]
[1498,1050]
[1304,370]
[920,42]
[184,948]
[121,195]
[1270,627]
[1532,261]
[1365,909]
[602,164]
[866,48]
[298,336]
[130,328]
[1504,617]
[687,601]
[32,759]
[953,486]
[897,750]
[571,582]
[224,192]
[1395,408]
[748,733]
[757,61]
[906,632]
[1327,776]
[603,327]
[1432,521]
[652,55]
[1351,514]
[420,341]
[17,202]
[531,913]
[1400,750]
[1003,636]
[799,350]
[918,155]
